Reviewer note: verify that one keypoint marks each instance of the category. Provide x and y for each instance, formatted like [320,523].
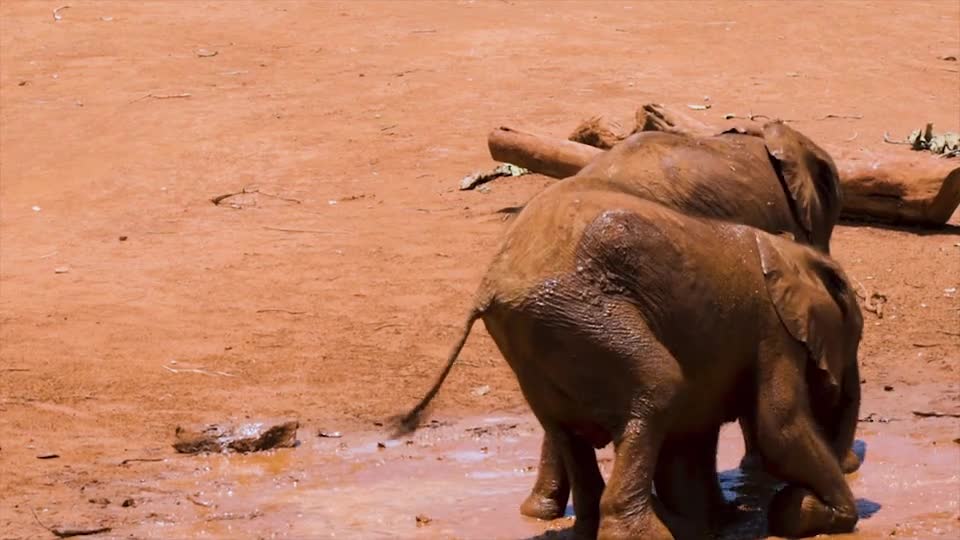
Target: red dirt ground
[355,121]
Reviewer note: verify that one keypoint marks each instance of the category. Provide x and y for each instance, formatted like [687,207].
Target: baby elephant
[629,322]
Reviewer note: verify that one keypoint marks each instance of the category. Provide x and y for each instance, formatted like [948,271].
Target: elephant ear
[808,174]
[804,306]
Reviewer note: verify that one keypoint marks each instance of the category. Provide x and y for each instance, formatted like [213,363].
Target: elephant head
[818,308]
[809,178]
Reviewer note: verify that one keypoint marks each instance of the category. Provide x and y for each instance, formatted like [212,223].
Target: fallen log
[911,190]
[894,188]
[556,158]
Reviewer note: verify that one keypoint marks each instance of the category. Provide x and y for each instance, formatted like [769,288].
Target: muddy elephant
[772,177]
[628,322]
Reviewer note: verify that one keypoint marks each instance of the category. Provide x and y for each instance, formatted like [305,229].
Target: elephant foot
[722,514]
[544,507]
[585,528]
[648,527]
[686,527]
[796,513]
[751,462]
[850,463]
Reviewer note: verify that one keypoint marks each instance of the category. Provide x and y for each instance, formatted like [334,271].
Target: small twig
[275,196]
[852,138]
[56,12]
[750,117]
[247,191]
[868,300]
[935,414]
[48,255]
[875,418]
[138,460]
[162,96]
[197,370]
[281,229]
[14,369]
[227,516]
[280,310]
[888,140]
[847,116]
[387,325]
[198,502]
[67,533]
[389,127]
[947,333]
[220,198]
[926,345]
[429,31]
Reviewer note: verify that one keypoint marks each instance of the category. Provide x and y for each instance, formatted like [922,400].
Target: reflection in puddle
[469,479]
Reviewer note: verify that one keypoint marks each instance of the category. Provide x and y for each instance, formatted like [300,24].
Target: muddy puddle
[466,480]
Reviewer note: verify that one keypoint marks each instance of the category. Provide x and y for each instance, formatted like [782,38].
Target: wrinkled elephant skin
[626,321]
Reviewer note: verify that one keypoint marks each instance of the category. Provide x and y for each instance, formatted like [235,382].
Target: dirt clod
[241,439]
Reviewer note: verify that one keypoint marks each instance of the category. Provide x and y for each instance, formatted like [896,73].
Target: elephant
[628,322]
[771,177]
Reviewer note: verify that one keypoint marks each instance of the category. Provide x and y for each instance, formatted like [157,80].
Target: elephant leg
[849,463]
[751,456]
[580,462]
[794,450]
[686,480]
[548,498]
[627,505]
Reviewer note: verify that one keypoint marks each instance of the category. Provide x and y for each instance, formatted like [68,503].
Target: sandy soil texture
[330,288]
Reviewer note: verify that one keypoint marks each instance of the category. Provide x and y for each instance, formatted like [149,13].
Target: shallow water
[469,478]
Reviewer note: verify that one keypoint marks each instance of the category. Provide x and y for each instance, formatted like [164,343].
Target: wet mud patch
[466,479]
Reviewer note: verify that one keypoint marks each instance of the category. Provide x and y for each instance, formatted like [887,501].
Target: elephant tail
[409,422]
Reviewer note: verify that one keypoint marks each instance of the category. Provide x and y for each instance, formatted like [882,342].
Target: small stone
[127,503]
[423,520]
[123,238]
[887,388]
[61,270]
[381,446]
[481,390]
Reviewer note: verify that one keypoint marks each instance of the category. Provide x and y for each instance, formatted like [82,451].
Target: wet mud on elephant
[648,328]
[773,178]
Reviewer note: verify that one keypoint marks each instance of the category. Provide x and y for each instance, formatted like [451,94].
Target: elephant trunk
[848,411]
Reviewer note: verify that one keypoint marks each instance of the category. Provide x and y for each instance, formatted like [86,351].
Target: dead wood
[67,532]
[551,157]
[895,187]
